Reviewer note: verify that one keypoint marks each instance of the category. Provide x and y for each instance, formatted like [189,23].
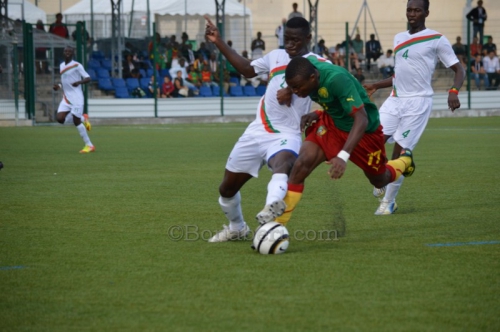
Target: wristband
[60,85]
[343,155]
[453,90]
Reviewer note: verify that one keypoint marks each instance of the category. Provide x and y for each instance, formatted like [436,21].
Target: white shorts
[252,151]
[76,110]
[405,119]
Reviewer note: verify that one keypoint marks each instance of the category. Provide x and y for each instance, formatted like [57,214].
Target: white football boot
[386,208]
[228,235]
[270,212]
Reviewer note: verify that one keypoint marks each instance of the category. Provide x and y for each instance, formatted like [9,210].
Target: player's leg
[64,115]
[310,156]
[410,129]
[77,112]
[243,163]
[281,154]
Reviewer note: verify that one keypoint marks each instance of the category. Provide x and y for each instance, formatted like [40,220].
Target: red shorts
[369,154]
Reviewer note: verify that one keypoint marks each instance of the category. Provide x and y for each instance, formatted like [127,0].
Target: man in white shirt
[183,68]
[492,68]
[385,64]
[71,107]
[279,34]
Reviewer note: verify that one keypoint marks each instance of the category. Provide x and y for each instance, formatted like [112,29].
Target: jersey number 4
[405,55]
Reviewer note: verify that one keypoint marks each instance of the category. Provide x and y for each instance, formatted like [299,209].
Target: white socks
[83,134]
[393,189]
[276,188]
[232,209]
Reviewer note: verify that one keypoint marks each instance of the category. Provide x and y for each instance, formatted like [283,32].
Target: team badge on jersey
[323,92]
[321,131]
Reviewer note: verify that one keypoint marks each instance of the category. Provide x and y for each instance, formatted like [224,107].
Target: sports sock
[398,166]
[68,119]
[276,188]
[232,209]
[292,198]
[83,134]
[393,189]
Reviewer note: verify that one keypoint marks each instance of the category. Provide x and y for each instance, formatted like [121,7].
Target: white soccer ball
[271,238]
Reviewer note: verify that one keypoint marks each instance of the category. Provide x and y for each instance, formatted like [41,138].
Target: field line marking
[5,268]
[456,244]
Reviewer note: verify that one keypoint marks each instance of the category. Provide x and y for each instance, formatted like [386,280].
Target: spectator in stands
[135,73]
[41,63]
[183,68]
[153,87]
[478,72]
[258,47]
[337,55]
[475,48]
[226,78]
[85,33]
[179,89]
[60,29]
[194,76]
[167,88]
[213,64]
[279,34]
[128,66]
[207,78]
[459,48]
[373,50]
[151,44]
[354,61]
[190,54]
[358,47]
[200,62]
[184,46]
[386,64]
[204,51]
[295,12]
[359,75]
[320,49]
[492,68]
[478,15]
[489,46]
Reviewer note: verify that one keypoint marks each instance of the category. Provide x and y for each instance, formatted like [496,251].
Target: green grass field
[86,240]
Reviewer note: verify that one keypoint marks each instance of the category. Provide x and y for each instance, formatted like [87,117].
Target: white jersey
[70,73]
[416,56]
[271,116]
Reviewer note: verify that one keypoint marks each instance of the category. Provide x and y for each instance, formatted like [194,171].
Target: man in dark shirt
[373,49]
[478,15]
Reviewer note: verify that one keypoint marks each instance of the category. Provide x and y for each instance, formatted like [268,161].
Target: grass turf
[86,240]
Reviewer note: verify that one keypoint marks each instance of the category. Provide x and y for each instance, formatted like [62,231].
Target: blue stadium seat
[165,72]
[234,80]
[106,63]
[205,91]
[103,73]
[149,72]
[236,91]
[216,91]
[260,90]
[143,72]
[119,82]
[94,64]
[121,93]
[97,55]
[105,84]
[92,74]
[147,64]
[144,84]
[132,83]
[249,90]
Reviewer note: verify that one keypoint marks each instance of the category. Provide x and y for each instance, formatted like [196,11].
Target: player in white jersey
[71,107]
[273,138]
[405,113]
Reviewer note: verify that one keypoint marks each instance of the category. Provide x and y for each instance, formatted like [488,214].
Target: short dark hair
[299,23]
[426,4]
[299,66]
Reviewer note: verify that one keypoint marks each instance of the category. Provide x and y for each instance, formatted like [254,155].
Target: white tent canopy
[23,9]
[171,16]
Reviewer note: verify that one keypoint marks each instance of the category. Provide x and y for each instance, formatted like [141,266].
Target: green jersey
[340,94]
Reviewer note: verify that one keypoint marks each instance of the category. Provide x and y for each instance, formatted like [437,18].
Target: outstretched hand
[337,169]
[211,30]
[370,89]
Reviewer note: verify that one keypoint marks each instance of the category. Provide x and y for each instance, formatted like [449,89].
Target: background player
[348,128]
[274,137]
[405,113]
[71,106]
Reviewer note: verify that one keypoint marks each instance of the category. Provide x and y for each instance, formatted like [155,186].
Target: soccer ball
[271,238]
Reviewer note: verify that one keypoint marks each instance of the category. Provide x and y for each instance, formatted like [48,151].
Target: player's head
[297,36]
[301,76]
[416,13]
[68,53]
